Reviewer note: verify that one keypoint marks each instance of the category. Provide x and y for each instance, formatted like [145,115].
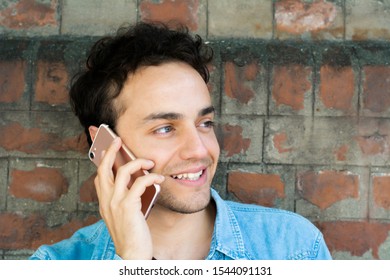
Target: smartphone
[102,141]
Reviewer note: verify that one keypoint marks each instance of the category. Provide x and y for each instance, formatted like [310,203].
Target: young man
[149,83]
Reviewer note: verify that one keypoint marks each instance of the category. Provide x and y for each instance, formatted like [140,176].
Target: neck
[181,236]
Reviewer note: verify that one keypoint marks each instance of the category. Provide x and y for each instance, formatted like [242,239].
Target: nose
[193,145]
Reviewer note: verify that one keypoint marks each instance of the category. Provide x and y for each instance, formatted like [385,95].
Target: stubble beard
[195,203]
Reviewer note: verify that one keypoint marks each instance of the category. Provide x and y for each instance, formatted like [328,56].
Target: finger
[108,158]
[105,176]
[132,202]
[125,174]
[141,183]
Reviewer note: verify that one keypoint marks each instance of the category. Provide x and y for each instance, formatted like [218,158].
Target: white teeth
[188,176]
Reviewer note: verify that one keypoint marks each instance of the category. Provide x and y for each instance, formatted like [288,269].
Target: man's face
[168,119]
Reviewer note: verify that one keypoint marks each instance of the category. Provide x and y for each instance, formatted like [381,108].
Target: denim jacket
[241,231]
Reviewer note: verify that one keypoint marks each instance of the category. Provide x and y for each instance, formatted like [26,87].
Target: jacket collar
[227,238]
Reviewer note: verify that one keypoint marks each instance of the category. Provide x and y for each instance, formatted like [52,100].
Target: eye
[207,124]
[164,130]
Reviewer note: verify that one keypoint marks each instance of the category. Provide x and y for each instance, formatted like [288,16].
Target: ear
[92,131]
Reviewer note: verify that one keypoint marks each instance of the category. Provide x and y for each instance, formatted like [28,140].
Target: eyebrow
[177,116]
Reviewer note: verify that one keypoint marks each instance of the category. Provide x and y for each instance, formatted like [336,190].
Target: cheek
[160,153]
[212,146]
[163,153]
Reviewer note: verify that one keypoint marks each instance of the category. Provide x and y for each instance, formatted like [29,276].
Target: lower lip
[194,183]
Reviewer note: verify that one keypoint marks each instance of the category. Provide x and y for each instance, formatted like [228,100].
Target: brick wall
[303,94]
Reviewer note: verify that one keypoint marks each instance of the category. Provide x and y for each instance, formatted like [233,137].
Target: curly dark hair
[113,58]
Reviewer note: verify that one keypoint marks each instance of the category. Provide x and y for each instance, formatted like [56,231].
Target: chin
[185,204]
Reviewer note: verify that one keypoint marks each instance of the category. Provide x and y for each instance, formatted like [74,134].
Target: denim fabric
[241,231]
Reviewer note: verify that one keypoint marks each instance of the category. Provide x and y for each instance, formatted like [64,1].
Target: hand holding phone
[102,141]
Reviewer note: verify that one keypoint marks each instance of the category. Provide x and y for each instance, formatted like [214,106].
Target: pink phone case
[102,141]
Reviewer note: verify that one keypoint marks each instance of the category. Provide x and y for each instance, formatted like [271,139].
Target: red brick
[290,84]
[357,238]
[297,16]
[376,88]
[25,14]
[184,12]
[41,184]
[325,188]
[35,141]
[12,80]
[374,137]
[367,20]
[261,189]
[212,84]
[337,87]
[88,191]
[237,81]
[280,141]
[51,83]
[381,191]
[32,231]
[341,153]
[233,141]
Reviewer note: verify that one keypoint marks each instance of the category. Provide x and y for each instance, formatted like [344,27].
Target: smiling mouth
[188,176]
